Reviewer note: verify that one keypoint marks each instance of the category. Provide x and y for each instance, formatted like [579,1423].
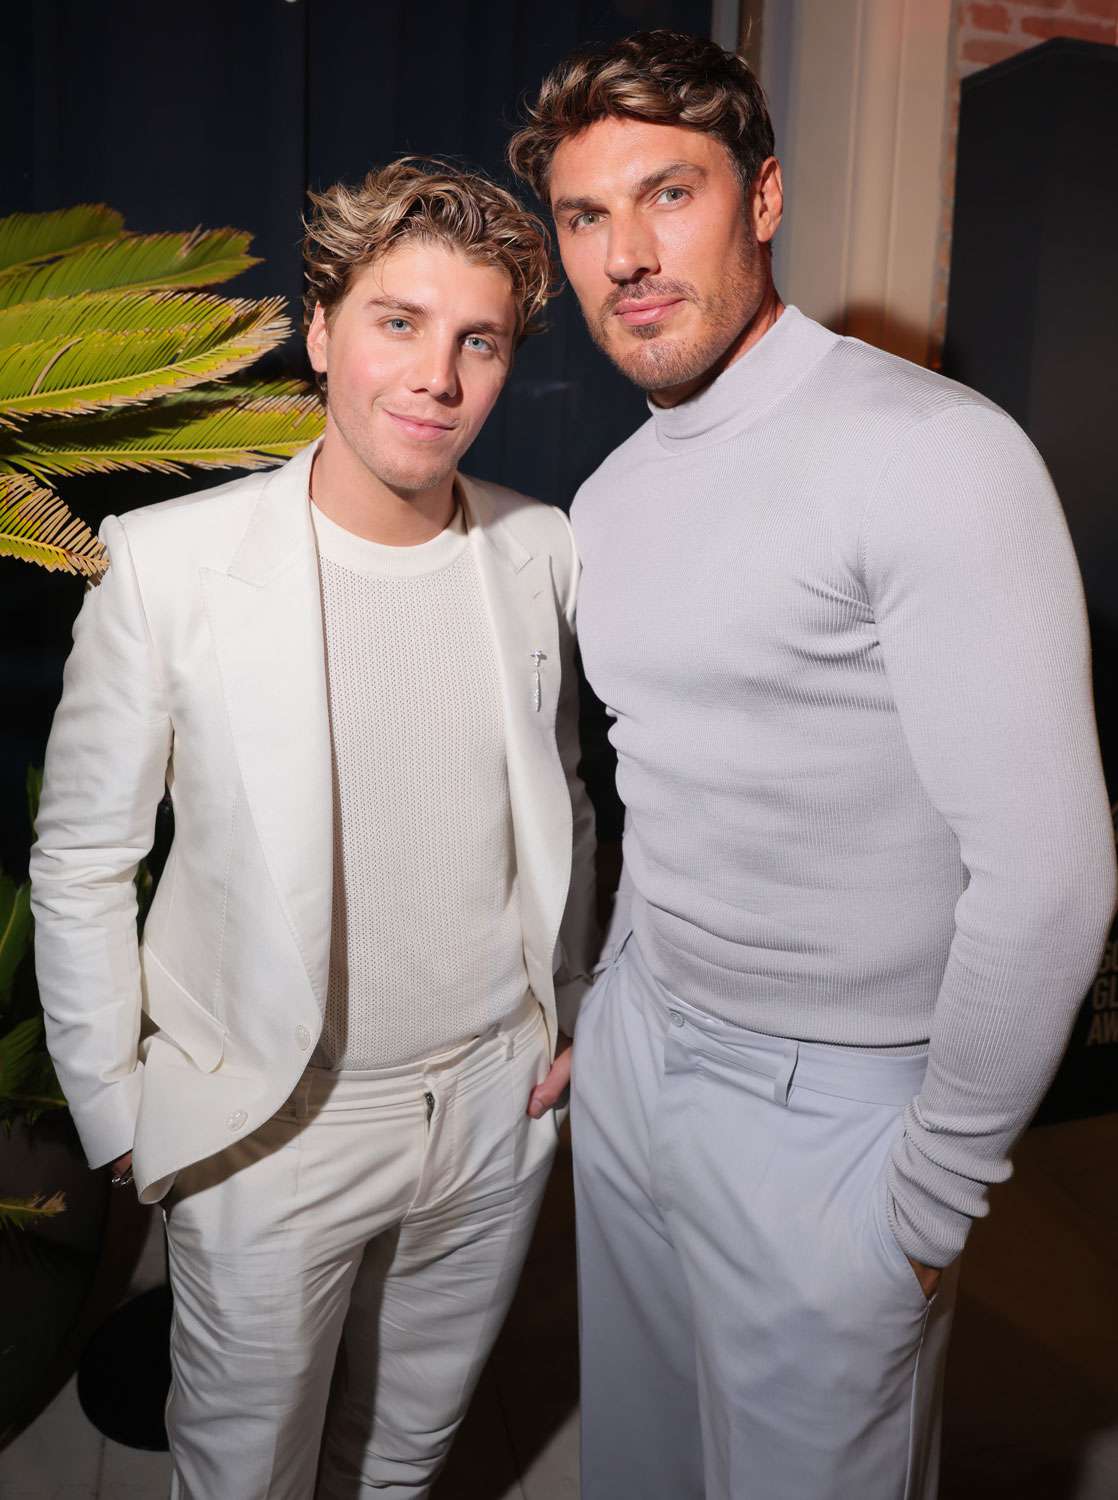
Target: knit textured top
[426,946]
[833,606]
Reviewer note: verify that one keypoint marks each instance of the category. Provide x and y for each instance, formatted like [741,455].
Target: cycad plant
[28,1087]
[111,358]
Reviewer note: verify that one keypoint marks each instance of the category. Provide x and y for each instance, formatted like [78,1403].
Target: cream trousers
[340,1275]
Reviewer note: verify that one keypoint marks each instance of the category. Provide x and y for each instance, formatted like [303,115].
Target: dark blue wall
[214,113]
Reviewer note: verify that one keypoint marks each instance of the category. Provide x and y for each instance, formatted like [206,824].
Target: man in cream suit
[333,1060]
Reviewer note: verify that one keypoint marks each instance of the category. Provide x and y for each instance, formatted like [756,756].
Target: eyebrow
[645,185]
[417,310]
[485,325]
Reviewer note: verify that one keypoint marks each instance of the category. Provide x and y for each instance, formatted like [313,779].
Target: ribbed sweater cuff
[931,1209]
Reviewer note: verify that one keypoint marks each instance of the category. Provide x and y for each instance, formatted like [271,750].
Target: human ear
[768,200]
[318,341]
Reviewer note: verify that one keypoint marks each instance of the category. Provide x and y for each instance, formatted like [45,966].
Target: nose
[630,250]
[436,371]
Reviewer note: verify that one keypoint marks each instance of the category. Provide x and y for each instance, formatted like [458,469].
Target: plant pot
[46,1272]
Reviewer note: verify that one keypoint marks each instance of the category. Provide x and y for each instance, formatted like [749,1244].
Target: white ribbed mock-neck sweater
[833,605]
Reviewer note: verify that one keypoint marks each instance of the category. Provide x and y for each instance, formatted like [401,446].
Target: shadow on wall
[877,325]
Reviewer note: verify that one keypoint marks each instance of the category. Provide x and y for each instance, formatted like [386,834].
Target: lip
[651,310]
[418,427]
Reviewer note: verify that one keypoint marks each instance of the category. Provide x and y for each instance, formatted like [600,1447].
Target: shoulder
[954,480]
[530,527]
[209,520]
[896,402]
[614,470]
[205,527]
[536,525]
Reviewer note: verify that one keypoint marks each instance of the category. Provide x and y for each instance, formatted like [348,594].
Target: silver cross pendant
[537,697]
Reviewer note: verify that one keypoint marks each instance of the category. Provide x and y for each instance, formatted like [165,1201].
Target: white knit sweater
[426,945]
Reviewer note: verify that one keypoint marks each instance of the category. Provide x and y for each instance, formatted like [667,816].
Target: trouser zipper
[429,1100]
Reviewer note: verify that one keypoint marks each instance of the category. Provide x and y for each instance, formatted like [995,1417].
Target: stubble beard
[656,361]
[400,478]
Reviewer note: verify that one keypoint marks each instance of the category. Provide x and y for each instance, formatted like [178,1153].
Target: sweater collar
[748,388]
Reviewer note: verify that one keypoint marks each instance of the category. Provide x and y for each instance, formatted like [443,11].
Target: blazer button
[303,1037]
[236,1119]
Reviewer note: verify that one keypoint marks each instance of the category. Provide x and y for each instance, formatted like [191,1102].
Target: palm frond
[35,525]
[28,238]
[23,1213]
[20,1055]
[15,930]
[38,1091]
[134,261]
[227,430]
[81,372]
[251,392]
[104,312]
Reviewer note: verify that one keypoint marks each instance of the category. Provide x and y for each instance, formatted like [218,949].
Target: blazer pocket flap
[189,1025]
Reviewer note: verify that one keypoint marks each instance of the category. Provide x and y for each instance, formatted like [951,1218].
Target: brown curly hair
[664,77]
[419,197]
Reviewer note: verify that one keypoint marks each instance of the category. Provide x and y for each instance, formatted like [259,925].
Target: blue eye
[398,325]
[475,341]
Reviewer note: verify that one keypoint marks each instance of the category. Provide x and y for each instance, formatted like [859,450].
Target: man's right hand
[122,1164]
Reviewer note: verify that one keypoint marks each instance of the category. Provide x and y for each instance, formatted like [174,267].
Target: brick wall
[986,32]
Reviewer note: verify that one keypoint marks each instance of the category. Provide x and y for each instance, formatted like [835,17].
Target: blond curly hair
[419,197]
[664,77]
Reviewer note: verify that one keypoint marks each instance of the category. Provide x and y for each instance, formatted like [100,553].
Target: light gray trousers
[751,1330]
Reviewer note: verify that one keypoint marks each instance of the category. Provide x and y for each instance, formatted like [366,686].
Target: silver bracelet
[121,1179]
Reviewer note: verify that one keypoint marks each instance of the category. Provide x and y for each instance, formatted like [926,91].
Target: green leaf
[222,430]
[36,525]
[27,238]
[23,1213]
[15,929]
[135,261]
[21,1051]
[86,370]
[34,784]
[247,393]
[104,312]
[38,1093]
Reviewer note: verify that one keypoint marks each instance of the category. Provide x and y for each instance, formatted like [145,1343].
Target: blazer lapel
[266,614]
[520,598]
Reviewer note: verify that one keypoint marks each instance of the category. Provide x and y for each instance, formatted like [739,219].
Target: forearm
[1001,1026]
[578,934]
[104,777]
[579,931]
[89,981]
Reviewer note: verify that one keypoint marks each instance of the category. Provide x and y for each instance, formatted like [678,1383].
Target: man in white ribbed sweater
[831,602]
[334,1060]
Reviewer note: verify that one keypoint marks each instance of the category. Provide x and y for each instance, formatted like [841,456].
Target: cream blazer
[198,667]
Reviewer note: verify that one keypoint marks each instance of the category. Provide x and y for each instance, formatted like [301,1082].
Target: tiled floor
[1032,1394]
[61,1456]
[519,1442]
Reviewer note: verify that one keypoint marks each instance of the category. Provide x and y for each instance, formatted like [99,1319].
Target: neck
[356,499]
[753,331]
